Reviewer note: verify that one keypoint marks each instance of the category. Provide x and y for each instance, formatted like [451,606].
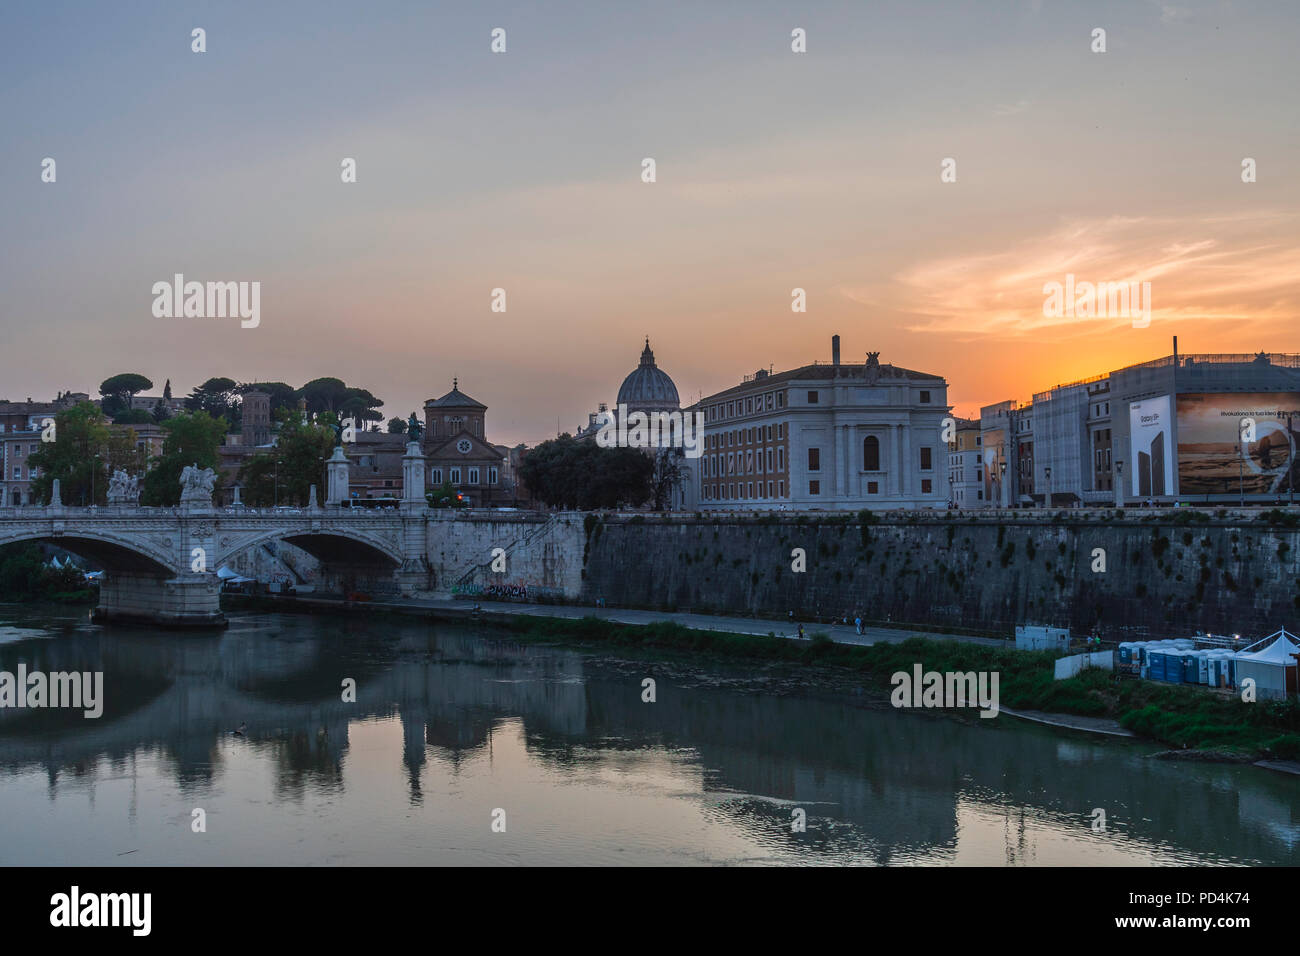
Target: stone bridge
[160,563]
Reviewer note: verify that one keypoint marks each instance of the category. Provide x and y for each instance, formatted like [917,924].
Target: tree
[160,413]
[217,397]
[567,473]
[118,391]
[167,390]
[444,496]
[192,438]
[668,474]
[133,416]
[301,450]
[324,394]
[332,395]
[77,457]
[397,426]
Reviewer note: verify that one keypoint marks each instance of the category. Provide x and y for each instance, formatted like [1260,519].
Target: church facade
[456,449]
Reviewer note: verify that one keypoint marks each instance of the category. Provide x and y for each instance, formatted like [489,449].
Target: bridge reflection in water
[450,725]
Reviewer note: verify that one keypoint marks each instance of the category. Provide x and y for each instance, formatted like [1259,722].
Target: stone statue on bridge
[123,489]
[197,484]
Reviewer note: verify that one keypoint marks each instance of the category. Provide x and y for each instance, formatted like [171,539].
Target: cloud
[1200,268]
[1010,109]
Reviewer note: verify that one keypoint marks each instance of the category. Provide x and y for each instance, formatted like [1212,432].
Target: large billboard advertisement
[1237,442]
[1151,460]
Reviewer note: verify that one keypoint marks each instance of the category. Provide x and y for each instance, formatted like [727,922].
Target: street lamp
[1002,483]
[276,497]
[1047,498]
[1119,483]
[94,467]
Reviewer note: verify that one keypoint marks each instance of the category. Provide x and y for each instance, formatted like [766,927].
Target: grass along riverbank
[1182,717]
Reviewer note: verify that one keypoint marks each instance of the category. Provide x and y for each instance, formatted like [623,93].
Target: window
[455,476]
[769,407]
[780,459]
[780,399]
[749,405]
[749,462]
[814,459]
[873,487]
[871,453]
[473,476]
[492,476]
[925,459]
[812,398]
[769,489]
[769,432]
[926,485]
[925,398]
[814,487]
[436,478]
[751,490]
[780,430]
[780,486]
[769,459]
[18,451]
[18,472]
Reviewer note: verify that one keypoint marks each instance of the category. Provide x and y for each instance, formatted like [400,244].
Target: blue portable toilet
[1172,665]
[1190,669]
[1156,665]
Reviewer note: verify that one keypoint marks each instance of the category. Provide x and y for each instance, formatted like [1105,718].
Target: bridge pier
[187,600]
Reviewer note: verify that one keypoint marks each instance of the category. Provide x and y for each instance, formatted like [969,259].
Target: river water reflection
[451,725]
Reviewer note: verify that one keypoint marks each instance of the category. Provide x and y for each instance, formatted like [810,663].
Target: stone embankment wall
[1160,573]
[542,562]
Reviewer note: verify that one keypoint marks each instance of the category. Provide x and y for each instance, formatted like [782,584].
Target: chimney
[835,354]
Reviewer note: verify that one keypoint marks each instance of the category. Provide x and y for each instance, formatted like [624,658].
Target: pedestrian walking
[857,622]
[801,630]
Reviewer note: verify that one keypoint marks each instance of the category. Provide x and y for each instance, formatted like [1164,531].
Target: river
[464,747]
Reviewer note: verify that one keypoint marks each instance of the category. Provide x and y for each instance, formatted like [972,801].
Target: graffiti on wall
[535,593]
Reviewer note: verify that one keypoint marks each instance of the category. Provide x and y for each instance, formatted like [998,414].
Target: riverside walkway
[460,609]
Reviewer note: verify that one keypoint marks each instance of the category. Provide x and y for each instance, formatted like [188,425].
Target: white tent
[233,577]
[1271,664]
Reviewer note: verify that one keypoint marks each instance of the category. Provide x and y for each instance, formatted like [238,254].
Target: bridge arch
[349,546]
[112,552]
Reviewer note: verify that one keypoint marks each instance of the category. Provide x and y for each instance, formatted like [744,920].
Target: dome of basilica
[648,387]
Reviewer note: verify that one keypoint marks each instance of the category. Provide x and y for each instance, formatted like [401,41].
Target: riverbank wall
[1133,574]
[1137,575]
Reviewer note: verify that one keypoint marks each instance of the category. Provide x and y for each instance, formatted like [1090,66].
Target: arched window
[871,453]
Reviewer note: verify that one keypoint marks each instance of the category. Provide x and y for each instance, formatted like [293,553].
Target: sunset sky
[523,171]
